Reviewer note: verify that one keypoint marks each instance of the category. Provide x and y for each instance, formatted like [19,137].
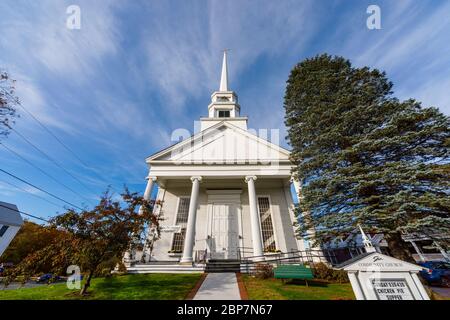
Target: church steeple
[366,241]
[224,76]
[224,104]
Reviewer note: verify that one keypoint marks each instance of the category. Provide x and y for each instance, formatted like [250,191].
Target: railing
[305,257]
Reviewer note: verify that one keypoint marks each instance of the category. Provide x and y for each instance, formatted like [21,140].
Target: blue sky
[115,90]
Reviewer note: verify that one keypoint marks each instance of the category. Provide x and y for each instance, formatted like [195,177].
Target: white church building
[225,194]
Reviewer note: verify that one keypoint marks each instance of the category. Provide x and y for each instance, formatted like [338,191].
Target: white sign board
[375,276]
[391,289]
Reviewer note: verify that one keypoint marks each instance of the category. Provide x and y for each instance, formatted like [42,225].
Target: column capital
[248,178]
[198,178]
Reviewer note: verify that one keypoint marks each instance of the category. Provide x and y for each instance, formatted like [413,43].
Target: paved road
[18,285]
[445,292]
[219,286]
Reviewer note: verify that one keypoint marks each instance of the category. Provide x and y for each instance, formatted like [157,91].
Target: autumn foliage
[92,239]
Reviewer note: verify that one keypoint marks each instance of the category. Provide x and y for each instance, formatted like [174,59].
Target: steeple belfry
[224,77]
[224,104]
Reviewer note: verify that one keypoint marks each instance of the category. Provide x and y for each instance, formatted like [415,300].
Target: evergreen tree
[365,157]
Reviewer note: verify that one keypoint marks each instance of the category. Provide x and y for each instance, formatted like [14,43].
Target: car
[48,277]
[437,272]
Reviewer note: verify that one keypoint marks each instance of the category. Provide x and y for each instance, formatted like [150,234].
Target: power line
[60,141]
[24,213]
[31,193]
[51,159]
[40,189]
[44,172]
[54,136]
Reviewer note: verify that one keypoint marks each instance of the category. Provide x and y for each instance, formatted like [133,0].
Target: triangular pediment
[223,143]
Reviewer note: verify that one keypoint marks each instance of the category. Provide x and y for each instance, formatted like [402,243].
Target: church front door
[224,237]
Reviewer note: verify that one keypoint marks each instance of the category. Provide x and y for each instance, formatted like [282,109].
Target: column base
[186,262]
[259,259]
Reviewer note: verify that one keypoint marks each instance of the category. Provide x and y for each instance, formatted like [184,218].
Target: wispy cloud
[114,90]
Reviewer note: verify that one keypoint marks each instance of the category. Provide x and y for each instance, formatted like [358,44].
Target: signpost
[392,289]
[375,276]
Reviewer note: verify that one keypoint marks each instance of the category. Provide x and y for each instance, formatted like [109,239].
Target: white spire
[366,241]
[224,77]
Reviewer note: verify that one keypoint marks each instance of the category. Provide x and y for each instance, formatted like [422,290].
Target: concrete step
[213,266]
[222,270]
[223,261]
[159,268]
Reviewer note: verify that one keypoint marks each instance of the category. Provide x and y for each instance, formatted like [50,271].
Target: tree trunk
[398,247]
[87,283]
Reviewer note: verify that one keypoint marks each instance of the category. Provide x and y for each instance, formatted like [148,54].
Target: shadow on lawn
[309,283]
[137,281]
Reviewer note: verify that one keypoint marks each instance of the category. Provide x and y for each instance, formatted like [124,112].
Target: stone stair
[216,265]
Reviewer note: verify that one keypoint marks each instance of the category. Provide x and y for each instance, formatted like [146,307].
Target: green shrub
[121,267]
[263,271]
[323,272]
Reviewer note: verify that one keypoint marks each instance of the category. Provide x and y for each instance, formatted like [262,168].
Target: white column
[148,190]
[311,232]
[359,294]
[254,218]
[130,254]
[192,218]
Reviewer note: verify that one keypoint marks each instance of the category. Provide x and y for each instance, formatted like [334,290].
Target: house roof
[9,215]
[352,260]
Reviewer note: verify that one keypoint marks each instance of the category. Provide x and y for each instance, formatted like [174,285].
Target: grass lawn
[274,289]
[129,287]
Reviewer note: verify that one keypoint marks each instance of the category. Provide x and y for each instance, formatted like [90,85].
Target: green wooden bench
[292,271]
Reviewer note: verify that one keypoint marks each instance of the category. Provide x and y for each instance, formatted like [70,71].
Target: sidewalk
[219,286]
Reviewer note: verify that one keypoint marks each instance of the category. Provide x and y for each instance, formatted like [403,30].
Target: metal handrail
[290,252]
[300,256]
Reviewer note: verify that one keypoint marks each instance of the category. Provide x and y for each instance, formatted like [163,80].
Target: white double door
[223,239]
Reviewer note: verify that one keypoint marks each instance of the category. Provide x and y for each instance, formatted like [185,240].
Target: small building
[375,276]
[422,247]
[10,223]
[352,245]
[427,247]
